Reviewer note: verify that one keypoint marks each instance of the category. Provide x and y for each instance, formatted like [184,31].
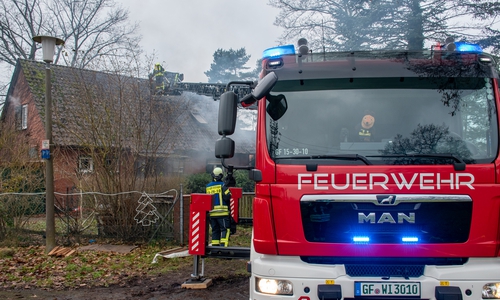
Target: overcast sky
[185,34]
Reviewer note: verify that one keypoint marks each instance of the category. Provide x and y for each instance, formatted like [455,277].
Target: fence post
[181,217]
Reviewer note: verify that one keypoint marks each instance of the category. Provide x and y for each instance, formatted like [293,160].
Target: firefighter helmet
[217,174]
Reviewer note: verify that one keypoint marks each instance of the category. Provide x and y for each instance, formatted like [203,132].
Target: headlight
[491,290]
[273,286]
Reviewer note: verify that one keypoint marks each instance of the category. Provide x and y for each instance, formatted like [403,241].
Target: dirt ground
[225,284]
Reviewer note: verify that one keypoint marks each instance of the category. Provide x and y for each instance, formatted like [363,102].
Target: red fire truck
[377,174]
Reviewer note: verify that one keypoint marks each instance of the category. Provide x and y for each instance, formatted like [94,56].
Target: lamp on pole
[48,49]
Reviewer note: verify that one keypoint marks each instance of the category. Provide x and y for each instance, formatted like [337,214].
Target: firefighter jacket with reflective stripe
[221,198]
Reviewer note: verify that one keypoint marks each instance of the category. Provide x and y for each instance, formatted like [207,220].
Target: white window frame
[24,116]
[85,164]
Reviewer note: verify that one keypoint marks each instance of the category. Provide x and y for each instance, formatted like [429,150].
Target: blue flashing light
[275,63]
[466,47]
[278,51]
[409,239]
[361,239]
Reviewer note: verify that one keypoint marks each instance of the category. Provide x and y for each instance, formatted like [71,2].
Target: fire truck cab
[377,174]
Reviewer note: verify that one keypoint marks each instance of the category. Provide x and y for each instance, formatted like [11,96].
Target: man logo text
[386,217]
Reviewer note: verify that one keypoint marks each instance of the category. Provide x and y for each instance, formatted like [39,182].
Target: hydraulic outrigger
[199,247]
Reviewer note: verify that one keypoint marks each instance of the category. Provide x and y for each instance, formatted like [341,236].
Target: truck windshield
[386,121]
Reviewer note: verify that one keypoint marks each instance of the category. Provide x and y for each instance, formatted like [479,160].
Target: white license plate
[387,288]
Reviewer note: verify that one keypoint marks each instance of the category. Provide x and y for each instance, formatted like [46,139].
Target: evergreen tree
[228,65]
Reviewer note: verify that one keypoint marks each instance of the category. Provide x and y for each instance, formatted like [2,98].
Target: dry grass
[30,268]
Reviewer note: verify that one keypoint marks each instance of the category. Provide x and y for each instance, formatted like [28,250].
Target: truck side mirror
[227,113]
[224,148]
[263,88]
[265,85]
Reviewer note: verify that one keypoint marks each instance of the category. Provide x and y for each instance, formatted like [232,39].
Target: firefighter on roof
[219,215]
[159,77]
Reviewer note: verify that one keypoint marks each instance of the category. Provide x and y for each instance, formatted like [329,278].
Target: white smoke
[14,101]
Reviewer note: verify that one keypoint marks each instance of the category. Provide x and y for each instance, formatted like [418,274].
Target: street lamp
[48,49]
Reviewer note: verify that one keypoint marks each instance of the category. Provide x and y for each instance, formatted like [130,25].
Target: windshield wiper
[328,156]
[459,163]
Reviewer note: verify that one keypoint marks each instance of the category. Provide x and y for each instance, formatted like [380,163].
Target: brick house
[166,135]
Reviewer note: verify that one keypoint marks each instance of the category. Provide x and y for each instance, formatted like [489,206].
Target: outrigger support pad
[197,281]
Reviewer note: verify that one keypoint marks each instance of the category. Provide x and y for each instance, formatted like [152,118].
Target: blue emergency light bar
[409,239]
[278,51]
[366,239]
[360,239]
[466,47]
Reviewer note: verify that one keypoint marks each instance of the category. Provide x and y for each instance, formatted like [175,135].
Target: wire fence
[86,216]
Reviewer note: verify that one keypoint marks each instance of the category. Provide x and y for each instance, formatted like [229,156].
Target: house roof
[87,103]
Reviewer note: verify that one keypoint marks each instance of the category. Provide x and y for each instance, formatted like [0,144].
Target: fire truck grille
[384,271]
[424,222]
[385,267]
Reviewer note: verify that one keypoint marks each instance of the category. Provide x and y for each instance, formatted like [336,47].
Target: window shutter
[24,113]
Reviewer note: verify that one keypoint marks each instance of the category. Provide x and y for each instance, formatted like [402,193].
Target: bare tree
[339,25]
[89,34]
[91,29]
[365,24]
[20,21]
[490,34]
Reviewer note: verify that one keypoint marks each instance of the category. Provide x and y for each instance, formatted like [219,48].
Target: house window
[85,164]
[33,152]
[24,116]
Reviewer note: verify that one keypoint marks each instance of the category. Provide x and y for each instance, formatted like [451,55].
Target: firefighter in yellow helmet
[219,215]
[159,77]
